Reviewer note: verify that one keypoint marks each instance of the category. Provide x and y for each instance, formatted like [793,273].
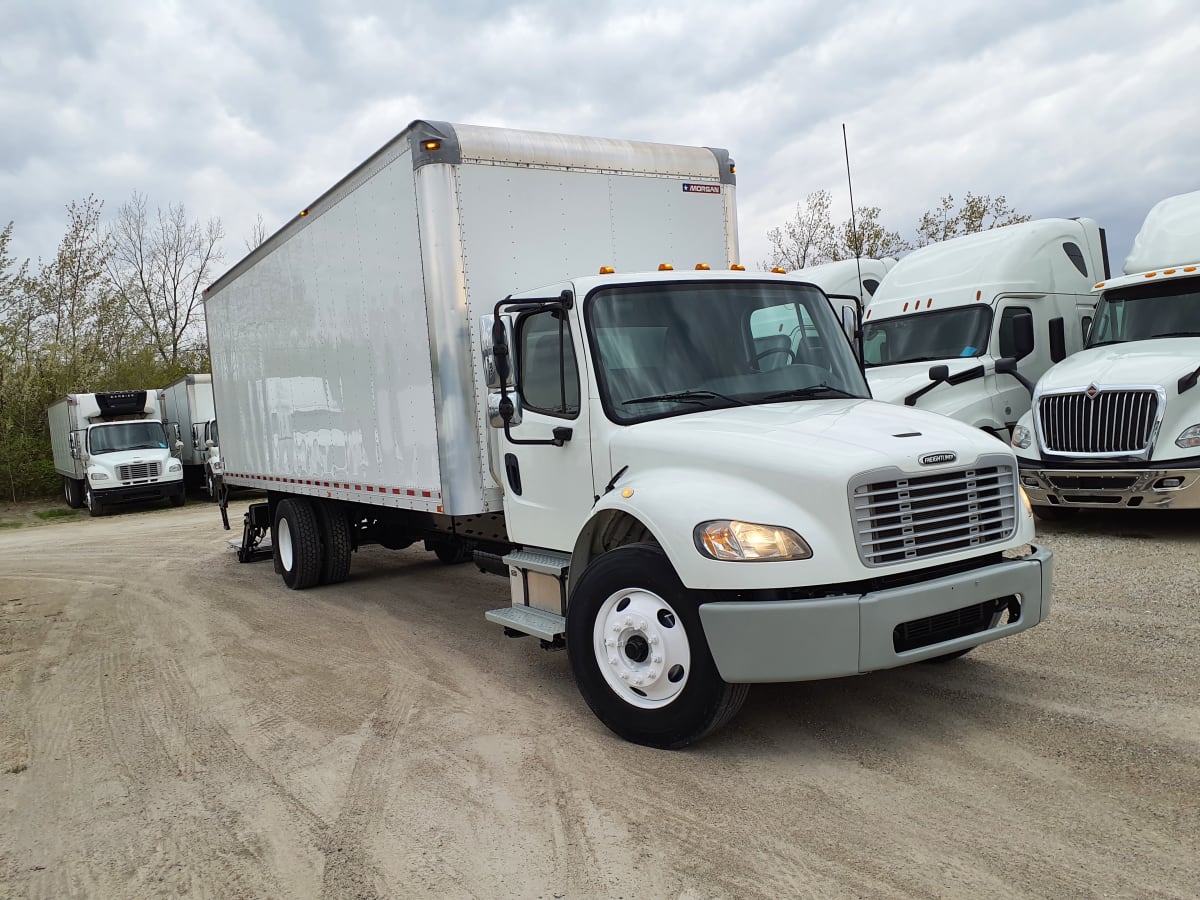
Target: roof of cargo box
[432,142]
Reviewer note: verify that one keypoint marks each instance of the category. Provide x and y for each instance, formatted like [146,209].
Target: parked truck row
[684,503]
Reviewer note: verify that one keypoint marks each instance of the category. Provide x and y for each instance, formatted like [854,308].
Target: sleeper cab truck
[191,417]
[112,448]
[951,322]
[1117,426]
[683,520]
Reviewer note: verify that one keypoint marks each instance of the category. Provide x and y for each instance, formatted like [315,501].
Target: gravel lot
[172,722]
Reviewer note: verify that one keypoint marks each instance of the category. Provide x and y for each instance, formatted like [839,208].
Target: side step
[549,627]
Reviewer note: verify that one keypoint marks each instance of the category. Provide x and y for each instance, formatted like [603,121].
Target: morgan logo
[933,459]
[1092,391]
[689,188]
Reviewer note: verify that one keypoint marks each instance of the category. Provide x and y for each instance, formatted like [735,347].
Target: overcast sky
[242,108]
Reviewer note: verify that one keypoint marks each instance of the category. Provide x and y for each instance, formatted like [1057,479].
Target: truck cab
[947,313]
[659,472]
[1117,426]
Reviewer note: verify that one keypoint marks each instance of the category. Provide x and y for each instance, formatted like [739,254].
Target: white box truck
[946,314]
[1117,426]
[112,448]
[191,417]
[683,520]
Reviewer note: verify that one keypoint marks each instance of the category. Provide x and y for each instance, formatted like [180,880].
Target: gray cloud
[242,108]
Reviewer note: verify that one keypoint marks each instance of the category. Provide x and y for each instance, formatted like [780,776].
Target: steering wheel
[788,350]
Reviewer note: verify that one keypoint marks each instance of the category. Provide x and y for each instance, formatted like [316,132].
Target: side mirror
[500,405]
[1008,366]
[495,344]
[850,322]
[938,374]
[74,453]
[177,436]
[178,446]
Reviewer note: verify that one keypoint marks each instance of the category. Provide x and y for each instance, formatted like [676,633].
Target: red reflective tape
[371,488]
[395,490]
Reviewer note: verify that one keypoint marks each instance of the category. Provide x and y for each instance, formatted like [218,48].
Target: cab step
[522,620]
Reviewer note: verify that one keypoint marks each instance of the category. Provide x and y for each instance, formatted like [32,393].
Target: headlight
[98,476]
[1022,437]
[174,467]
[1189,438]
[727,539]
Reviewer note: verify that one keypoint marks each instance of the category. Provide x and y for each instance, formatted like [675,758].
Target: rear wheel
[453,553]
[297,543]
[638,652]
[336,545]
[72,492]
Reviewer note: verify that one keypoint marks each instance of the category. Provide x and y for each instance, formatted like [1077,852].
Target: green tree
[866,237]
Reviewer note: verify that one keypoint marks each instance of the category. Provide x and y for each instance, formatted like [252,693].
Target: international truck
[682,519]
[112,448]
[946,314]
[189,413]
[1117,426]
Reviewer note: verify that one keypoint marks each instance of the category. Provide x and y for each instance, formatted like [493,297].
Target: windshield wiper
[1106,343]
[697,397]
[1164,334]
[807,393]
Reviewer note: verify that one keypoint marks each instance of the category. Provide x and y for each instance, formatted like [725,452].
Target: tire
[336,544]
[179,499]
[453,553]
[94,507]
[73,493]
[628,602]
[1055,513]
[297,544]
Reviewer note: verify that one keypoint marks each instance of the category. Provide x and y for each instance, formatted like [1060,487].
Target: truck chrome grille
[916,517]
[1117,422]
[138,471]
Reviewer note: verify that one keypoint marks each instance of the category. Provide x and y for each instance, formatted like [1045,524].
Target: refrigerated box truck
[112,448]
[191,417]
[682,519]
[1117,426]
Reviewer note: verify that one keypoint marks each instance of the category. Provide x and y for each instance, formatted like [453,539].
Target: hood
[893,383]
[839,437]
[1161,361]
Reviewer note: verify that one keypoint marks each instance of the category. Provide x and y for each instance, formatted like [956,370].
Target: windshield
[668,349]
[126,436]
[1163,309]
[921,337]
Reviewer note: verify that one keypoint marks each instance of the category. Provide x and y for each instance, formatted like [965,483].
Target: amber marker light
[702,267]
[1189,268]
[737,267]
[1168,271]
[1150,274]
[778,271]
[666,267]
[432,145]
[978,296]
[607,270]
[304,212]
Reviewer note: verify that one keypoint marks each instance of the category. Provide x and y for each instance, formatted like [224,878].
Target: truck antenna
[857,242]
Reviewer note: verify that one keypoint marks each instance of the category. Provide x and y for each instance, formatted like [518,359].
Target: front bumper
[1149,487]
[136,493]
[804,640]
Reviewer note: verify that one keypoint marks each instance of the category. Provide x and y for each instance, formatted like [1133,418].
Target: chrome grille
[1110,422]
[916,517]
[138,471]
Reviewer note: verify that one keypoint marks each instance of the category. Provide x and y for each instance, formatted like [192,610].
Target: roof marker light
[737,267]
[607,270]
[868,315]
[929,303]
[778,270]
[978,295]
[1097,285]
[1189,268]
[905,308]
[1168,271]
[666,267]
[702,267]
[304,212]
[1149,274]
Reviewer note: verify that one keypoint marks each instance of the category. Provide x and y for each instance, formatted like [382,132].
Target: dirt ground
[174,723]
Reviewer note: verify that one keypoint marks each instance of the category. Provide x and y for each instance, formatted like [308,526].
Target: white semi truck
[191,417]
[946,314]
[1117,426]
[112,448]
[683,519]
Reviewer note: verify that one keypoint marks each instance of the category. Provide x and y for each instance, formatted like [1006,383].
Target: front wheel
[91,501]
[638,652]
